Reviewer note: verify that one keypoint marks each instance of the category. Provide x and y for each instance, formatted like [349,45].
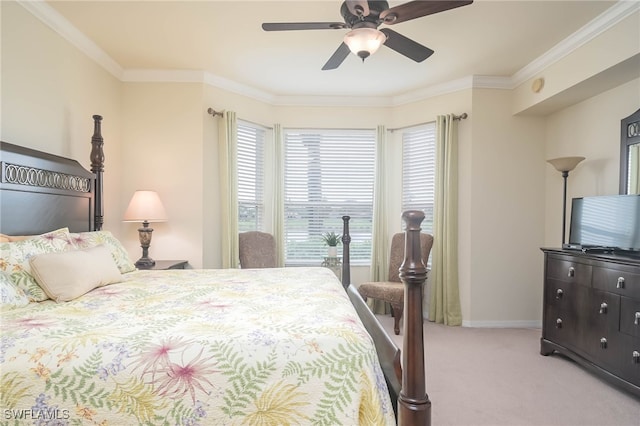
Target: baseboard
[503,324]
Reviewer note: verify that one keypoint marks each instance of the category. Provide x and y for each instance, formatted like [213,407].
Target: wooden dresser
[592,313]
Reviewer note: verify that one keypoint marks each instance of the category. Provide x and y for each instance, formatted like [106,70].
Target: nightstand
[334,264]
[168,264]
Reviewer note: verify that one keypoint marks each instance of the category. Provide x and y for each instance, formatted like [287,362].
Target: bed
[126,346]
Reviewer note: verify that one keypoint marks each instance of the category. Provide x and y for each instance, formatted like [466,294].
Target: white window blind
[251,141]
[328,174]
[418,171]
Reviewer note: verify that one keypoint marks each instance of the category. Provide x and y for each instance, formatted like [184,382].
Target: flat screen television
[607,223]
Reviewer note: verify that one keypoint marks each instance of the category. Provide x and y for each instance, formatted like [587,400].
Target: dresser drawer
[630,359]
[618,280]
[603,312]
[565,295]
[606,349]
[630,316]
[564,312]
[561,327]
[565,269]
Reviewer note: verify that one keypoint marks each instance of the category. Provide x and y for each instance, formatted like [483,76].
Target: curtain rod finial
[214,112]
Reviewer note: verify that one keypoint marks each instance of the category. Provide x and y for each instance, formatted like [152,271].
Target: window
[328,174]
[418,171]
[251,141]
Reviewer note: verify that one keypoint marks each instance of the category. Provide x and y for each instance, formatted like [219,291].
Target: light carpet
[496,377]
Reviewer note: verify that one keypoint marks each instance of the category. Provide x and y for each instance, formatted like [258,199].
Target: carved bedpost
[414,407]
[97,167]
[346,240]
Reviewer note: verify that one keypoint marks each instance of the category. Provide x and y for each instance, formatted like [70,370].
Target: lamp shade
[145,206]
[565,164]
[364,42]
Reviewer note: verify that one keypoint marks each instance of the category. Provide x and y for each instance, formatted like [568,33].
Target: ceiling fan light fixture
[364,42]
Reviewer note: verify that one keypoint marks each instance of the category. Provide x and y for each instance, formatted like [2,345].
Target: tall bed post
[414,407]
[97,167]
[346,260]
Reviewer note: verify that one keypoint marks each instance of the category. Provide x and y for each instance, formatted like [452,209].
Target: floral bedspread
[188,347]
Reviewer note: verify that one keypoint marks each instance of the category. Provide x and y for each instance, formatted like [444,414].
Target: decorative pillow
[11,296]
[68,275]
[13,238]
[15,259]
[84,240]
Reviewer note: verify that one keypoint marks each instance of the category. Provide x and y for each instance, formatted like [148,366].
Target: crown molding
[201,77]
[492,82]
[433,91]
[609,18]
[50,17]
[238,88]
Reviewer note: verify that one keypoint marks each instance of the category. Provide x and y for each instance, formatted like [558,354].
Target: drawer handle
[559,323]
[636,321]
[603,343]
[636,357]
[603,308]
[572,272]
[620,283]
[559,293]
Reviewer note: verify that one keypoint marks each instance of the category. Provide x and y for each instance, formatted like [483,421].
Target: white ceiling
[225,39]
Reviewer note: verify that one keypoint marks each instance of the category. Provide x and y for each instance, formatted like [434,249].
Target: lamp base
[145,263]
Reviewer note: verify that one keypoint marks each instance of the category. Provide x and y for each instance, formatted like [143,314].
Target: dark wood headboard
[40,192]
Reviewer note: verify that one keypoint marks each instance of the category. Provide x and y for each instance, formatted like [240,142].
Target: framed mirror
[630,154]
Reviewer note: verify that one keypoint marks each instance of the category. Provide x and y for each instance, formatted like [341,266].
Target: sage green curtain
[380,241]
[444,306]
[228,147]
[278,193]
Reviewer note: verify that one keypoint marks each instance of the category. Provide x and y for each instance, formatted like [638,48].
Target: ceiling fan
[364,17]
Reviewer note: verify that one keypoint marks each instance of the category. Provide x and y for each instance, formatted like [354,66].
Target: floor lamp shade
[564,165]
[145,207]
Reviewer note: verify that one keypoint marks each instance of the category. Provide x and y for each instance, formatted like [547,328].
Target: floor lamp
[564,165]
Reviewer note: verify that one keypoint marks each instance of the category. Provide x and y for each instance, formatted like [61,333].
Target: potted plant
[332,240]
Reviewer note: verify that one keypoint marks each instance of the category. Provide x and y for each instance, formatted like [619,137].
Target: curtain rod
[214,112]
[256,124]
[462,116]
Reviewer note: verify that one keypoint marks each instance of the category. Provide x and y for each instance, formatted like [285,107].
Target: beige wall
[162,126]
[159,136]
[50,91]
[505,212]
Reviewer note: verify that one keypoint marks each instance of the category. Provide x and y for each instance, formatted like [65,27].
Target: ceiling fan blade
[337,58]
[358,7]
[405,46]
[418,8]
[288,26]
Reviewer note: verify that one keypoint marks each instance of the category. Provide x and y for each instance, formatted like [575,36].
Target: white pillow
[68,275]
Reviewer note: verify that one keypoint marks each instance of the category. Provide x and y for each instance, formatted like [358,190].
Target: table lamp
[145,207]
